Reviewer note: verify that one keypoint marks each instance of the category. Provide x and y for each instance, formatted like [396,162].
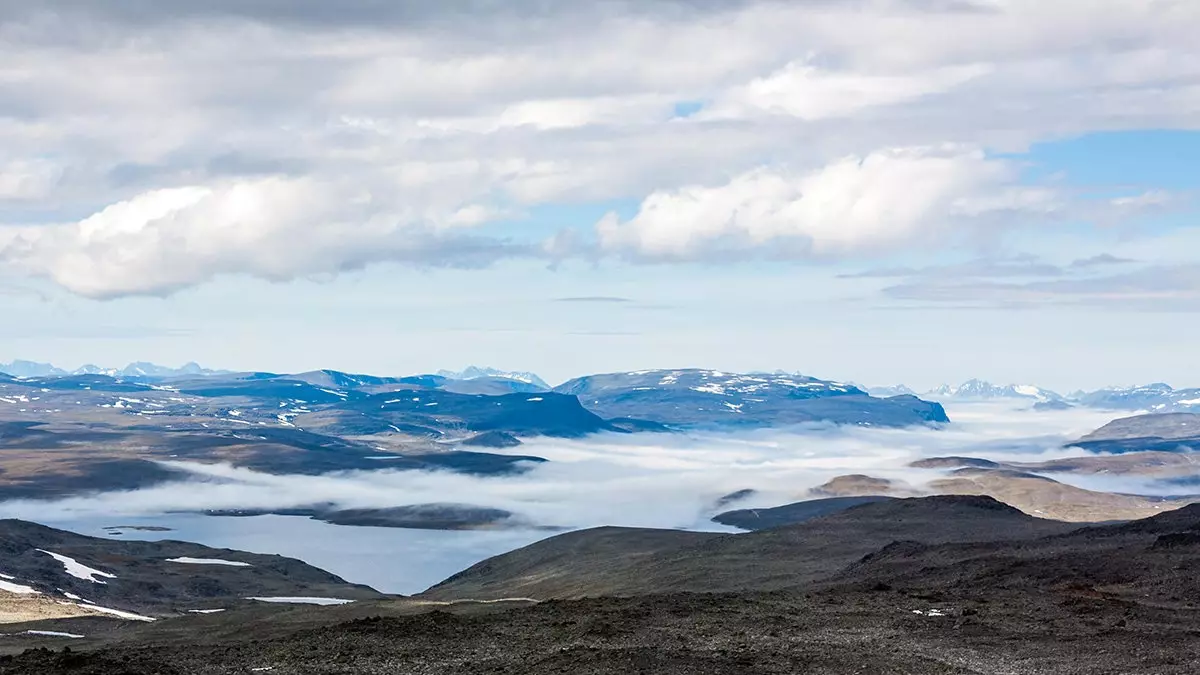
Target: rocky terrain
[936,585]
[42,568]
[626,561]
[790,514]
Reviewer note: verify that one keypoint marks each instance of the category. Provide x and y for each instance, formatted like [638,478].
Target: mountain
[979,390]
[790,514]
[90,576]
[150,370]
[476,372]
[25,369]
[1157,397]
[1169,432]
[630,561]
[1047,498]
[888,392]
[696,398]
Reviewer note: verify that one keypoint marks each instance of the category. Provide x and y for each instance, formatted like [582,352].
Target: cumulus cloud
[273,228]
[888,198]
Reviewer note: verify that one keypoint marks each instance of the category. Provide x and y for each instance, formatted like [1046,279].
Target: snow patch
[17,588]
[304,600]
[119,613]
[208,561]
[79,570]
[52,633]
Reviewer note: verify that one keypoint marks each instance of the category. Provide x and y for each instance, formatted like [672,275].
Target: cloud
[27,179]
[1019,266]
[495,107]
[810,93]
[1101,260]
[887,199]
[609,299]
[1153,288]
[273,228]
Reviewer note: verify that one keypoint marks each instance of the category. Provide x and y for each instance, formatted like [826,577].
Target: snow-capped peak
[982,389]
[477,372]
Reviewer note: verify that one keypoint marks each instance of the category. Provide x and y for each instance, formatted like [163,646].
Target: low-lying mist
[650,480]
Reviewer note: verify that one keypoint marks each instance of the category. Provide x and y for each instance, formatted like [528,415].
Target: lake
[391,560]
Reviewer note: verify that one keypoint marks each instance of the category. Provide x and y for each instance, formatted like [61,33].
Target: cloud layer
[412,130]
[652,480]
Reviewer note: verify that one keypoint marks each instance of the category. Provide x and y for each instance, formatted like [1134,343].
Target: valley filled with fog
[659,480]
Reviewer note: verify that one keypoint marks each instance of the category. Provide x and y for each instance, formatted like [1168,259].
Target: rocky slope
[621,561]
[150,579]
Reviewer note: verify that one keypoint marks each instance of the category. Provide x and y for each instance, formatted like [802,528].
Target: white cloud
[885,199]
[272,228]
[810,93]
[28,179]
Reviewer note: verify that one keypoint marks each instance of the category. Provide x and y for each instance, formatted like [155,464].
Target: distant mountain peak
[982,389]
[27,369]
[477,372]
[22,369]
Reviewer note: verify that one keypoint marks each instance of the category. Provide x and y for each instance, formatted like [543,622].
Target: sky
[880,191]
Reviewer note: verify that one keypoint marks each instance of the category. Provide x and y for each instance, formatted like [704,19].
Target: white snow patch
[119,613]
[304,601]
[53,633]
[204,611]
[208,561]
[16,588]
[78,570]
[535,398]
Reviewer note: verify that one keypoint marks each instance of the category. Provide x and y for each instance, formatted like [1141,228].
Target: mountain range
[29,369]
[477,372]
[1157,397]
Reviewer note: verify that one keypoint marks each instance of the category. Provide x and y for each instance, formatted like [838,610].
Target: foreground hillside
[935,594]
[623,561]
[44,570]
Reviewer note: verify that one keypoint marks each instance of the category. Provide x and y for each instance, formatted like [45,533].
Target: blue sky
[1007,192]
